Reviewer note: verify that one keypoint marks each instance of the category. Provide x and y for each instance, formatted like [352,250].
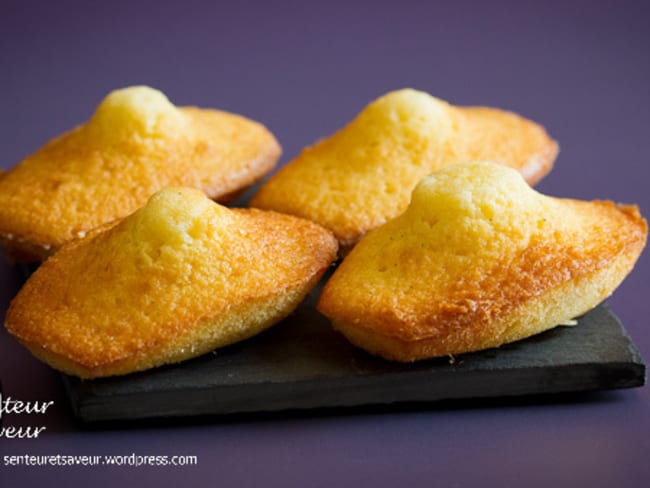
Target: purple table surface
[581,68]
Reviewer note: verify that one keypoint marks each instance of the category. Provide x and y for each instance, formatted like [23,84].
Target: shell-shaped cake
[479,259]
[363,175]
[135,144]
[180,277]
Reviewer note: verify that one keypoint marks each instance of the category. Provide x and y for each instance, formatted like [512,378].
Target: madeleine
[176,279]
[479,259]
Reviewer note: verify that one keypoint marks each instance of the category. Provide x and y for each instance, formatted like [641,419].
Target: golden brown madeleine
[176,279]
[479,259]
[135,144]
[362,176]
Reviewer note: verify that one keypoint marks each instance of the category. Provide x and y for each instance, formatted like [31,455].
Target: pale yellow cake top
[136,143]
[363,175]
[477,209]
[179,277]
[475,247]
[137,112]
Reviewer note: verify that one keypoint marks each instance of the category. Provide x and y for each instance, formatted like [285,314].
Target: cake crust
[135,144]
[479,260]
[363,175]
[178,278]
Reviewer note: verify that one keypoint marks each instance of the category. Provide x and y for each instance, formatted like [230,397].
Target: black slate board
[302,363]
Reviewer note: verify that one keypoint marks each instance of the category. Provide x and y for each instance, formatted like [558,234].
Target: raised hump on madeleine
[479,259]
[363,175]
[136,143]
[137,111]
[178,278]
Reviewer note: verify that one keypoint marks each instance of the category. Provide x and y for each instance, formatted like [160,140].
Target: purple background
[581,68]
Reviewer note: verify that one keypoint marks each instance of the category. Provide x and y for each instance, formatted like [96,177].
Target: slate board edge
[360,391]
[263,398]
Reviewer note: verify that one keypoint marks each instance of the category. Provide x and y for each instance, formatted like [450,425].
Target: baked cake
[363,175]
[479,259]
[176,279]
[136,143]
